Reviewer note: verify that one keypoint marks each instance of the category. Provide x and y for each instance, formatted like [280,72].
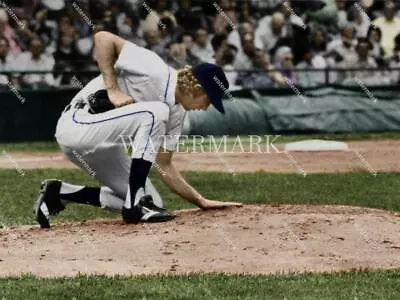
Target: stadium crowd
[260,43]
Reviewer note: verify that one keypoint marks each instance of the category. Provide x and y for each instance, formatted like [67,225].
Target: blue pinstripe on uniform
[129,114]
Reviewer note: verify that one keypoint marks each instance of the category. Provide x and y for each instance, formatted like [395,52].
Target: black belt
[77,105]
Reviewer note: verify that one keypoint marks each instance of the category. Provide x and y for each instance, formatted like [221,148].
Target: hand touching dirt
[212,204]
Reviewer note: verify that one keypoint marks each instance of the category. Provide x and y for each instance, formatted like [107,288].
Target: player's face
[198,100]
[201,102]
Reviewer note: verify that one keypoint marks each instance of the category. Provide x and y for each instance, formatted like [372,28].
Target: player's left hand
[212,204]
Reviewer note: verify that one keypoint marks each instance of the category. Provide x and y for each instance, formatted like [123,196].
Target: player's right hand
[119,98]
[212,204]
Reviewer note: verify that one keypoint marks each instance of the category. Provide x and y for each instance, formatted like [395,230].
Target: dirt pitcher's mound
[252,239]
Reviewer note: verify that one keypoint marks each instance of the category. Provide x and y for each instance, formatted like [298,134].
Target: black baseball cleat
[146,211]
[48,202]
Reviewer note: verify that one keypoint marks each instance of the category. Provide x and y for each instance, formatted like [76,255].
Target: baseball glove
[99,102]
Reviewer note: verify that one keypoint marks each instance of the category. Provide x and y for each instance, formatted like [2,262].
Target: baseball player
[148,101]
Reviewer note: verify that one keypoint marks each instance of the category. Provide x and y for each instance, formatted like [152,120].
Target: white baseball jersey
[92,141]
[144,76]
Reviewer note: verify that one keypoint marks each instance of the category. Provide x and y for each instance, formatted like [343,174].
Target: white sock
[128,201]
[151,190]
[67,188]
[109,200]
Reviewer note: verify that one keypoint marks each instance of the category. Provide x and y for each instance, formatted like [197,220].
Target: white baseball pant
[94,143]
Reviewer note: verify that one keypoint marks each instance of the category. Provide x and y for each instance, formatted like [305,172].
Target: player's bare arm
[107,49]
[175,181]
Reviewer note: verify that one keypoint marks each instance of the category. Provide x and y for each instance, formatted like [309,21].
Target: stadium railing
[329,73]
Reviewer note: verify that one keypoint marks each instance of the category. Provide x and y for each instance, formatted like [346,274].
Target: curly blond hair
[187,82]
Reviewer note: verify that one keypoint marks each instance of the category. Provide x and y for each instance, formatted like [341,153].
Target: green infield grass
[354,285]
[17,193]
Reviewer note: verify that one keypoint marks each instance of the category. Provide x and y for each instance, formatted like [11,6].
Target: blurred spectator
[318,41]
[25,7]
[202,47]
[397,41]
[66,50]
[247,13]
[23,35]
[46,29]
[36,60]
[362,59]
[109,22]
[7,62]
[179,52]
[310,28]
[270,30]
[190,17]
[258,79]
[125,25]
[8,33]
[177,55]
[244,28]
[218,41]
[290,17]
[119,9]
[224,58]
[343,46]
[64,25]
[283,60]
[226,19]
[186,39]
[85,45]
[367,6]
[374,36]
[394,62]
[359,20]
[265,75]
[154,11]
[160,6]
[314,62]
[52,5]
[78,21]
[67,56]
[169,29]
[341,14]
[153,42]
[128,26]
[244,58]
[389,24]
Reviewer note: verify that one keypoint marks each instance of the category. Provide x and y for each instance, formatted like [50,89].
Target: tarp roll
[330,109]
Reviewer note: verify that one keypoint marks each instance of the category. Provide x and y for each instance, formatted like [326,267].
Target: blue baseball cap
[213,81]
